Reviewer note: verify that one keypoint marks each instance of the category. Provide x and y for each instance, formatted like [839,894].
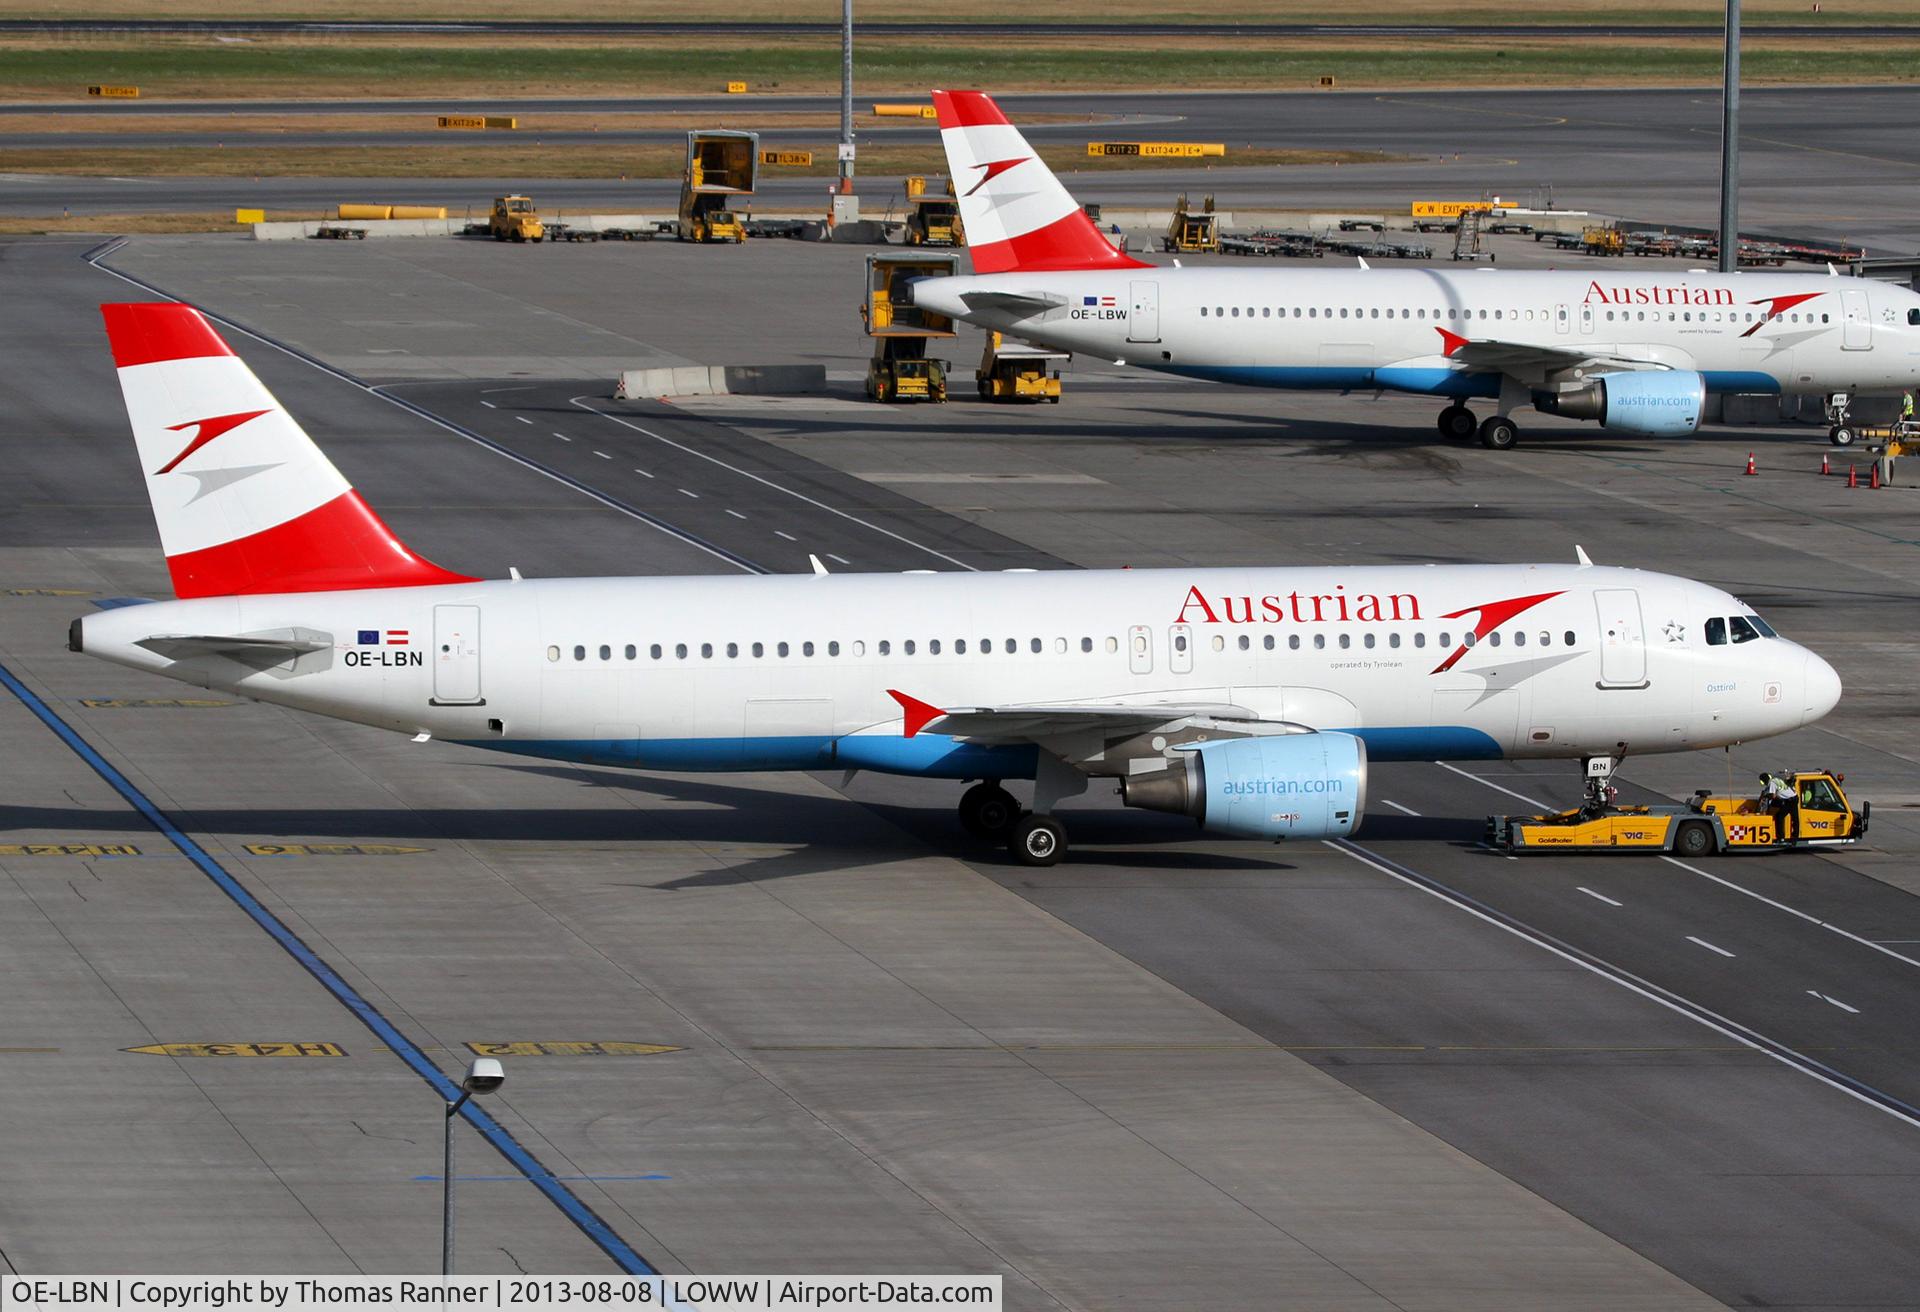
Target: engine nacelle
[1645,402]
[1306,785]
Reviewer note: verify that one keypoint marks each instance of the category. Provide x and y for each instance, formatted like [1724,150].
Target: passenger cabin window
[579,653]
[553,653]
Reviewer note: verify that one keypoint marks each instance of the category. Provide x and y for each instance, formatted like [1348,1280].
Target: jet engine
[1645,402]
[1306,785]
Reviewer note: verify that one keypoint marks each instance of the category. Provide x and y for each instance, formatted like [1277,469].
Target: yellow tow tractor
[901,369]
[515,219]
[1018,372]
[1806,809]
[1603,239]
[933,220]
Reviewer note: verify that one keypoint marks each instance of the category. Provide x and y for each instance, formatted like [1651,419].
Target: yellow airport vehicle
[1817,815]
[901,369]
[721,171]
[1018,372]
[515,218]
[1192,231]
[933,220]
[1603,240]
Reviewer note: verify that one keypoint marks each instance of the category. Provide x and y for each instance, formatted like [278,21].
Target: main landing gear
[1497,432]
[991,812]
[1034,838]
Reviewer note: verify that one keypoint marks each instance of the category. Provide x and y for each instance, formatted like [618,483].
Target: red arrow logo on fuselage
[1492,615]
[1777,306]
[209,429]
[1451,341]
[994,168]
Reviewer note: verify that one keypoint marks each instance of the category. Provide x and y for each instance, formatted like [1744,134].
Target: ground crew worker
[1778,796]
[1906,407]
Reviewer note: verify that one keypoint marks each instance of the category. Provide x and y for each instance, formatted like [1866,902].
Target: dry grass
[115,224]
[1063,11]
[242,123]
[482,160]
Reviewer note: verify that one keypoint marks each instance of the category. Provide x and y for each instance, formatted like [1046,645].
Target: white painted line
[1792,911]
[838,559]
[831,510]
[643,473]
[685,493]
[1530,801]
[603,455]
[1403,810]
[523,419]
[1835,1001]
[788,536]
[563,437]
[1708,946]
[1580,888]
[1699,1016]
[736,514]
[489,405]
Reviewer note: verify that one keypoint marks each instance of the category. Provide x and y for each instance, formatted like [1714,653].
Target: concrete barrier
[721,380]
[293,230]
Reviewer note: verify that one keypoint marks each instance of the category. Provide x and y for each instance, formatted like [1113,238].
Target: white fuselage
[1377,328]
[796,672]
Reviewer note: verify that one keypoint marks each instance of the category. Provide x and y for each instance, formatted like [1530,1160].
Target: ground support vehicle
[1819,815]
[933,220]
[901,369]
[1190,231]
[515,218]
[1018,372]
[722,169]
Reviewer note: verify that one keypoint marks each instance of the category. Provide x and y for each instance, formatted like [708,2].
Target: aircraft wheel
[1457,423]
[1695,839]
[1037,840]
[1498,433]
[1840,435]
[988,811]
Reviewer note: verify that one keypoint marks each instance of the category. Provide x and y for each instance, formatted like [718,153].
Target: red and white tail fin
[1017,215]
[244,500]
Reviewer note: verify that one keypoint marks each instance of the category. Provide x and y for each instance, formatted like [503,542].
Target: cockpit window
[1766,629]
[1742,629]
[1716,632]
[1913,317]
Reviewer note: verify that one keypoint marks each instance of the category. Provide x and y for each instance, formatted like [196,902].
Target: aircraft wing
[1526,360]
[996,725]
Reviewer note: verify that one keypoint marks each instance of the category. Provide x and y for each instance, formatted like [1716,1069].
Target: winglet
[1452,341]
[818,568]
[1580,554]
[915,713]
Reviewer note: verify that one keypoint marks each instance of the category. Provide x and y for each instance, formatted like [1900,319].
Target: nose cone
[1822,688]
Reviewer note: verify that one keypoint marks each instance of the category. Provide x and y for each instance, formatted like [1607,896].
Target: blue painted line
[517,1180]
[489,1129]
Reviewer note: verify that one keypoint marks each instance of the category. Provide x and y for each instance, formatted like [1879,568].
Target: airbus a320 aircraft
[1248,699]
[1635,352]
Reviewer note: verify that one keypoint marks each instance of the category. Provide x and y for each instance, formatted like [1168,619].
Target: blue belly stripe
[926,756]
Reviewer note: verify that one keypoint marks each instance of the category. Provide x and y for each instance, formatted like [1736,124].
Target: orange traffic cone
[1873,475]
[1853,476]
[1825,468]
[1751,468]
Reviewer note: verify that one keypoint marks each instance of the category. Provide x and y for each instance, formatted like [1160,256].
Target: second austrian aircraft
[1638,353]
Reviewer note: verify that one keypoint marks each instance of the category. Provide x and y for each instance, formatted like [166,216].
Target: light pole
[1730,146]
[483,1077]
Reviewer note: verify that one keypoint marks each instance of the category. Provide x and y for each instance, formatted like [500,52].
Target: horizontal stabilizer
[261,651]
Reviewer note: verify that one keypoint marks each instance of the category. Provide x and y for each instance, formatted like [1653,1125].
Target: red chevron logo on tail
[209,429]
